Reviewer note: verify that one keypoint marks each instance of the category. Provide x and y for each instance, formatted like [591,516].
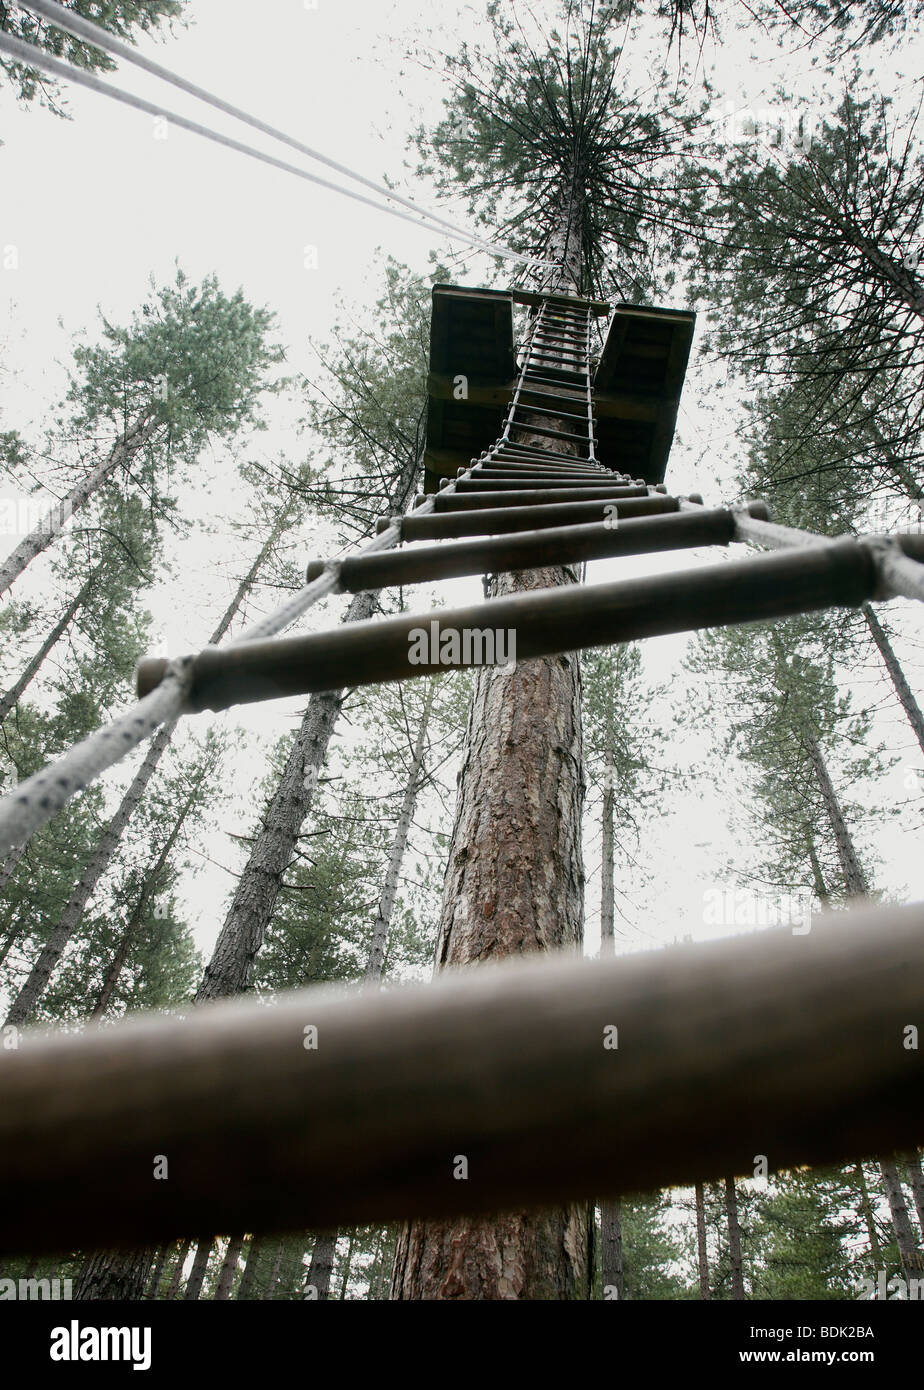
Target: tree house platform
[637,383]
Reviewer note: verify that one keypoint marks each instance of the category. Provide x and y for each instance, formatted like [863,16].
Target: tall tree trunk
[274,1272]
[103,1277]
[893,666]
[37,981]
[322,1263]
[197,1273]
[734,1239]
[176,1277]
[702,1250]
[821,889]
[375,963]
[248,917]
[866,1208]
[229,1268]
[346,1266]
[916,1181]
[246,1287]
[514,883]
[908,1250]
[854,878]
[8,940]
[121,454]
[128,936]
[612,1267]
[611,1261]
[27,674]
[157,1273]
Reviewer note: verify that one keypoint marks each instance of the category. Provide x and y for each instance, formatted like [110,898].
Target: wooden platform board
[637,384]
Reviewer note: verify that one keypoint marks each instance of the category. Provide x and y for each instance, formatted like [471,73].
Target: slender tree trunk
[27,674]
[103,1277]
[173,1287]
[229,1268]
[120,455]
[916,1182]
[346,1267]
[854,878]
[322,1263]
[893,666]
[37,981]
[866,1207]
[514,883]
[274,1272]
[197,1273]
[128,936]
[821,889]
[8,941]
[612,1266]
[734,1239]
[611,1260]
[908,1250]
[8,868]
[245,1289]
[375,964]
[244,929]
[702,1250]
[157,1273]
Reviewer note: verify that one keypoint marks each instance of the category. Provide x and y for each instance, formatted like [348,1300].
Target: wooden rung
[561,545]
[544,621]
[479,483]
[466,501]
[796,1036]
[501,520]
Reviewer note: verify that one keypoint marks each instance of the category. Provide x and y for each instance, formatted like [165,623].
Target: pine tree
[566,162]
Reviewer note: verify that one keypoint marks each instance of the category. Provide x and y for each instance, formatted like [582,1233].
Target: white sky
[96,205]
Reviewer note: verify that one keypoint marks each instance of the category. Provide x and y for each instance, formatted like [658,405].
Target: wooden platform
[637,384]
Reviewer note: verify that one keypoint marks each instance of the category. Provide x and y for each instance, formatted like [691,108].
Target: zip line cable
[93,33]
[34,57]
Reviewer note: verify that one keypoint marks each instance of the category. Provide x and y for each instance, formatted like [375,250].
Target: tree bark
[346,1267]
[157,1273]
[821,888]
[14,693]
[854,878]
[103,1276]
[896,674]
[197,1273]
[274,1272]
[908,1250]
[122,452]
[612,1266]
[702,1250]
[322,1263]
[244,929]
[173,1287]
[514,883]
[245,1288]
[866,1208]
[916,1182]
[611,1260]
[734,1239]
[375,964]
[128,936]
[37,980]
[229,1268]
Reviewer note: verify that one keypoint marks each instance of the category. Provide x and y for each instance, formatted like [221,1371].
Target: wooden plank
[559,1080]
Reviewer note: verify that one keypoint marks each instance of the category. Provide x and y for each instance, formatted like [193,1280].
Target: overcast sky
[97,204]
